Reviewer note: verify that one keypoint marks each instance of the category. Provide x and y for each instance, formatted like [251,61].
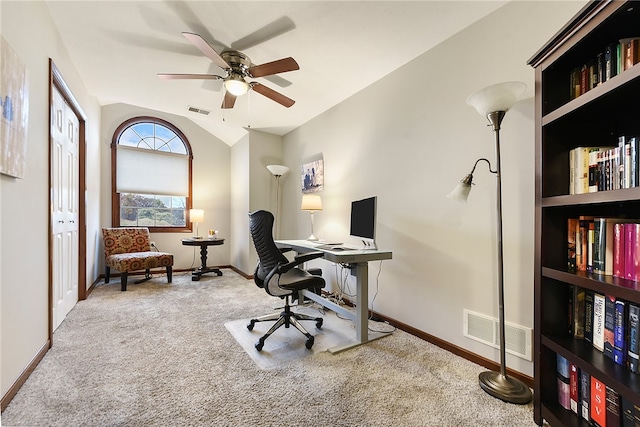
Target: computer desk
[360,261]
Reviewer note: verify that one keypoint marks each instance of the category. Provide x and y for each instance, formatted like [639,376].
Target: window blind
[151,172]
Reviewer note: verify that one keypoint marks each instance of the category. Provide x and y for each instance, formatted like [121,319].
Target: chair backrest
[269,256]
[126,240]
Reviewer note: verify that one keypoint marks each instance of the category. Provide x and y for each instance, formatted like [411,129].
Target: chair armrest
[299,259]
[284,250]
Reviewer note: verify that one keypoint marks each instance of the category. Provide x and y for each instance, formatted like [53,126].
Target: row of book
[588,397]
[609,246]
[611,325]
[593,169]
[616,58]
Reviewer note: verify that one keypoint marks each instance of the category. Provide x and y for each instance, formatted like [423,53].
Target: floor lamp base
[505,388]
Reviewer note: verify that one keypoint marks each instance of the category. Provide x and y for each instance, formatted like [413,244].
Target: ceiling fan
[238,67]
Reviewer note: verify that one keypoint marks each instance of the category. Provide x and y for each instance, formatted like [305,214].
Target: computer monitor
[363,221]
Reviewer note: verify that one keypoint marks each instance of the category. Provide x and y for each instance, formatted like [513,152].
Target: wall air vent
[486,329]
[198,110]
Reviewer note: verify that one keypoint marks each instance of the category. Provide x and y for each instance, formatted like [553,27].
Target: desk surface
[347,256]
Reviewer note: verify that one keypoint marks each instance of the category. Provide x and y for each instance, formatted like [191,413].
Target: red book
[573,387]
[635,250]
[618,250]
[598,402]
[629,244]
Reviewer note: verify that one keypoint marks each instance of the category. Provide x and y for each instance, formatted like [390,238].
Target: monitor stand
[369,246]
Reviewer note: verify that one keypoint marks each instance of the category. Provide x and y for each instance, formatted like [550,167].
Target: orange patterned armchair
[129,249]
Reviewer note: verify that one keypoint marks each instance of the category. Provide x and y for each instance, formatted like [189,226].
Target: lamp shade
[278,170]
[311,202]
[498,97]
[461,192]
[196,215]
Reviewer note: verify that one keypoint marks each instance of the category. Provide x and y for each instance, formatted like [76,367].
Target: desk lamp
[311,203]
[493,102]
[196,216]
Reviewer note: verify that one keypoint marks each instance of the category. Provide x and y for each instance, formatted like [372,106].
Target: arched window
[151,175]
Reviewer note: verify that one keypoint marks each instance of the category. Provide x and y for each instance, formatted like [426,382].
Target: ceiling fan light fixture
[236,85]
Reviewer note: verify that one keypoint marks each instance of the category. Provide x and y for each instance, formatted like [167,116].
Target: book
[593,169]
[578,312]
[619,332]
[609,324]
[633,143]
[633,352]
[612,407]
[598,321]
[582,242]
[626,412]
[598,402]
[585,394]
[562,367]
[590,245]
[599,245]
[633,250]
[588,316]
[574,394]
[611,60]
[572,226]
[629,52]
[629,244]
[618,250]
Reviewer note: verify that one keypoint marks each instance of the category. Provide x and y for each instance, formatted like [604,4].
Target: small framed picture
[312,176]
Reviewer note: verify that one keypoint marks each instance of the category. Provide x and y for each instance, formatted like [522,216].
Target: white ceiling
[118,47]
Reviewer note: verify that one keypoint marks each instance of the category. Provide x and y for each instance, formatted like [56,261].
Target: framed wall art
[14,105]
[312,176]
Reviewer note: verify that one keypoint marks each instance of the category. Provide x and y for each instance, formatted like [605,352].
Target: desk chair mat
[287,345]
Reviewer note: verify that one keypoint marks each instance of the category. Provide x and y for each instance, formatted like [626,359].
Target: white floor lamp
[278,171]
[493,102]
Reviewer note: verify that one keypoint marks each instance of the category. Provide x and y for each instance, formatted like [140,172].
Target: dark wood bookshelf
[563,122]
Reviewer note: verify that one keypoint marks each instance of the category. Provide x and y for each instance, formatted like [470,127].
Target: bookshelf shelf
[564,121]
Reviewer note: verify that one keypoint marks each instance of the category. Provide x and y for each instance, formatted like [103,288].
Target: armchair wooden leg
[169,273]
[107,272]
[123,281]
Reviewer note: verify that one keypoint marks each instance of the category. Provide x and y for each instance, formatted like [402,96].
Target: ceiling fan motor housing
[238,61]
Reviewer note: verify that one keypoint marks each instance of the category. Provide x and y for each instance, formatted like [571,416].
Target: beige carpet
[160,355]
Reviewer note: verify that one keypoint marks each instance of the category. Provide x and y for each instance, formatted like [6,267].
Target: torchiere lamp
[493,102]
[278,171]
[311,203]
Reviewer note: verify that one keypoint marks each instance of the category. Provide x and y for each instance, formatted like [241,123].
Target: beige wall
[210,184]
[408,139]
[24,209]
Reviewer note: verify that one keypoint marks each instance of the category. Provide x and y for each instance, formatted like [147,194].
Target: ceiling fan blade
[165,76]
[228,101]
[272,94]
[275,67]
[206,48]
[269,31]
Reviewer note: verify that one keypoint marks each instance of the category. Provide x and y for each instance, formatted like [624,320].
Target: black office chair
[281,278]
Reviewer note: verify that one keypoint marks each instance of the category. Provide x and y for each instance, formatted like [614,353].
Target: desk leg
[362,312]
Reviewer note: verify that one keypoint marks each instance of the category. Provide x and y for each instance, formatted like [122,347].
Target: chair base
[286,318]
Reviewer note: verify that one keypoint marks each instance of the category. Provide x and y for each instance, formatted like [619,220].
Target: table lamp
[311,203]
[196,216]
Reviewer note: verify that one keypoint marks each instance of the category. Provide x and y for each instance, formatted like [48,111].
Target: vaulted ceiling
[119,47]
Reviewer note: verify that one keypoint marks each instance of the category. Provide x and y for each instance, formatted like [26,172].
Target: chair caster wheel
[251,324]
[260,344]
[319,323]
[309,343]
[219,273]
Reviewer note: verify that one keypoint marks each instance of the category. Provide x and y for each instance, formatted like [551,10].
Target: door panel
[64,206]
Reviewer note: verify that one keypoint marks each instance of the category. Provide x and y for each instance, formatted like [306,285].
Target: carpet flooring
[160,355]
